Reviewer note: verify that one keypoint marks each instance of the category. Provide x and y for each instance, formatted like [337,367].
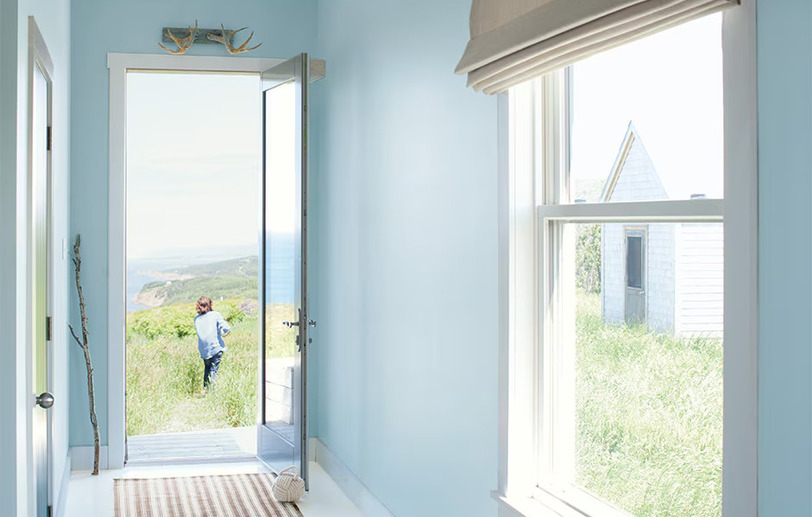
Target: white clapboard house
[666,276]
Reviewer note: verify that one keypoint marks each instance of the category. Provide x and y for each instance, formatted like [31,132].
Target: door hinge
[48,138]
[47,328]
[50,510]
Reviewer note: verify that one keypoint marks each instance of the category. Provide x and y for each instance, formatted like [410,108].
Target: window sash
[555,411]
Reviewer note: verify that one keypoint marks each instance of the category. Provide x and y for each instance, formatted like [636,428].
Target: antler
[226,37]
[183,43]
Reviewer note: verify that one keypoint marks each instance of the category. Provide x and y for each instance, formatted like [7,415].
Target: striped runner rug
[239,495]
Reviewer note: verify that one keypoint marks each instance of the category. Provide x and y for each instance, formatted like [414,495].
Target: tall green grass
[165,373]
[649,417]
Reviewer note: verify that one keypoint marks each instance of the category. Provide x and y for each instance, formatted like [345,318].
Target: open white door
[282,430]
[39,267]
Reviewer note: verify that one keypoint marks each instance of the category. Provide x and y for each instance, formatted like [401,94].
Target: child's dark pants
[210,371]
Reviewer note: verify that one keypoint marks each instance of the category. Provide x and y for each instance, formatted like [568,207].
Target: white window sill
[531,507]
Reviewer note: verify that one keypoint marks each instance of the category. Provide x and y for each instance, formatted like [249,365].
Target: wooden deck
[234,442]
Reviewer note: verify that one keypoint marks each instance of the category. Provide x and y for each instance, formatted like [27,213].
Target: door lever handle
[290,324]
[45,400]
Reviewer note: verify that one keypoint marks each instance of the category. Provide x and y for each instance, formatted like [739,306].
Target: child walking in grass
[211,328]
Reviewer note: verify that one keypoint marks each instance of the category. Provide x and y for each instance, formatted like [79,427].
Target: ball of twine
[288,487]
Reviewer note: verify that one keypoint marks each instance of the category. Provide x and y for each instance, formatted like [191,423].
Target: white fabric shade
[515,40]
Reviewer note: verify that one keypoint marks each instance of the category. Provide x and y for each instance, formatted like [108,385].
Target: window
[617,347]
[634,259]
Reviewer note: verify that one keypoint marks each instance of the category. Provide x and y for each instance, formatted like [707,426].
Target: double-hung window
[627,361]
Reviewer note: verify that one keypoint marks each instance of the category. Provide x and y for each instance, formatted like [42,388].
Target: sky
[194,140]
[193,161]
[670,87]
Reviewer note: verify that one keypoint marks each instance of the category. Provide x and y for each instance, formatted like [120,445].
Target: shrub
[175,320]
[588,258]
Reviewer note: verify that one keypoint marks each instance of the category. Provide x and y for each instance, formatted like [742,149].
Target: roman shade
[515,40]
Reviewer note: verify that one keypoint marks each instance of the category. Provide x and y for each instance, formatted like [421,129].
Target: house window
[634,259]
[630,271]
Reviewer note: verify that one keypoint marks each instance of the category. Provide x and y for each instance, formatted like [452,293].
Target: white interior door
[282,431]
[40,260]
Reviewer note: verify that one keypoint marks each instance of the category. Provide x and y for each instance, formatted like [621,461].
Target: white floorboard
[93,495]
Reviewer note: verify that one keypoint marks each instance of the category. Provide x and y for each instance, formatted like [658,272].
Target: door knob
[312,323]
[290,324]
[45,401]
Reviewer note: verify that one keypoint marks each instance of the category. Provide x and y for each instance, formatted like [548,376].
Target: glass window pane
[281,257]
[648,366]
[647,118]
[634,261]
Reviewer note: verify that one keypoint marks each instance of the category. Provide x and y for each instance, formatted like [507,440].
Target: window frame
[523,230]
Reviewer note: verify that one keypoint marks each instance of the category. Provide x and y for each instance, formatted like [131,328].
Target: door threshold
[191,460]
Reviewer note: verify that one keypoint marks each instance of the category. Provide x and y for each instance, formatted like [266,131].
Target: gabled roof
[632,146]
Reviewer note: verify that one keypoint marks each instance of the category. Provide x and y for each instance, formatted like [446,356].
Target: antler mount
[205,36]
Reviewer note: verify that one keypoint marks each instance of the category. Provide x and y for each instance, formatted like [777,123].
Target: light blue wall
[9,405]
[785,248]
[100,26]
[404,265]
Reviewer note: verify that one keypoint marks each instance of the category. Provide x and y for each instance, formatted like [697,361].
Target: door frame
[118,65]
[39,57]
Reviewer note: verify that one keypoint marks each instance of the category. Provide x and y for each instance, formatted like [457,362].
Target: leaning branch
[83,344]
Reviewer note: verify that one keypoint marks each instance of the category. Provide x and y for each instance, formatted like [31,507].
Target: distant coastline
[157,286]
[154,298]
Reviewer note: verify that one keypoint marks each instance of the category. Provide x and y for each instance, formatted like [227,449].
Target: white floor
[93,495]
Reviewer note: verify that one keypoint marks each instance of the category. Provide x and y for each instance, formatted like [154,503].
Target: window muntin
[562,472]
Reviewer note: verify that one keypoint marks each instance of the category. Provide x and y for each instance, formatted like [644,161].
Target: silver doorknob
[45,401]
[290,324]
[312,323]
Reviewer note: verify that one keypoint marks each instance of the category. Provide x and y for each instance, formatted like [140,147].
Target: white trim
[82,458]
[531,507]
[117,252]
[556,320]
[355,489]
[740,451]
[119,64]
[518,234]
[504,224]
[693,210]
[122,62]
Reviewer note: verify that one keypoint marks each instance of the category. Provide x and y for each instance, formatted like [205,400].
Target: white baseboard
[353,488]
[62,499]
[82,458]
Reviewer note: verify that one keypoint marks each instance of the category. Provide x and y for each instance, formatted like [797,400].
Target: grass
[649,435]
[649,414]
[165,373]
